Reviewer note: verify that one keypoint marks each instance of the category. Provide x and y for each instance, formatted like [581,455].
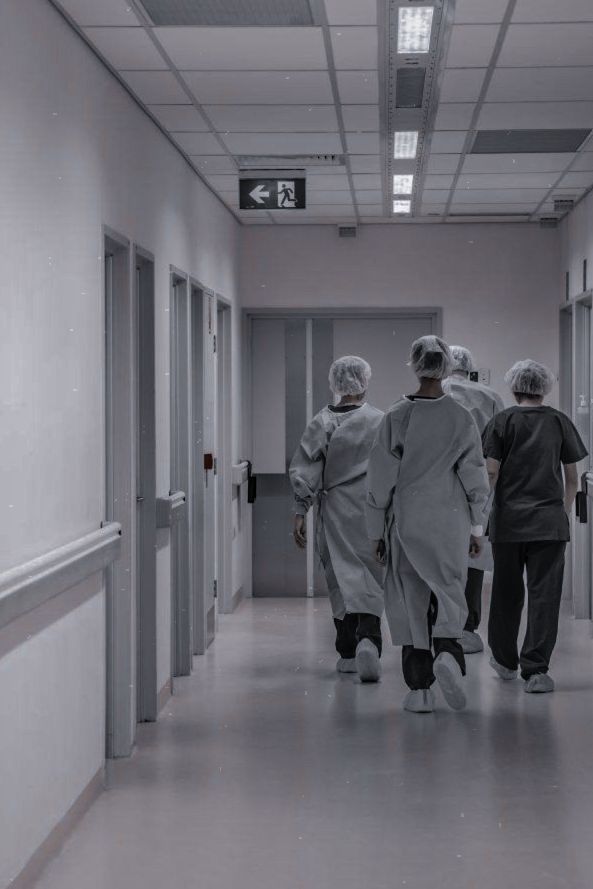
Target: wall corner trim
[30,585]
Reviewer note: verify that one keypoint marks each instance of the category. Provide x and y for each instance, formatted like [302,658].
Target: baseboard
[52,844]
[238,597]
[164,695]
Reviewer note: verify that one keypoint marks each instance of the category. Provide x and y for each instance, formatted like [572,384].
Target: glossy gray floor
[269,771]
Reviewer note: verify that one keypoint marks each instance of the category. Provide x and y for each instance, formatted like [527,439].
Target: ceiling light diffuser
[402,184]
[414,27]
[405,144]
[402,206]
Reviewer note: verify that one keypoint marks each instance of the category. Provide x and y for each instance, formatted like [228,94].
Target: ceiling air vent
[528,141]
[288,161]
[347,231]
[548,222]
[229,13]
[409,87]
[563,205]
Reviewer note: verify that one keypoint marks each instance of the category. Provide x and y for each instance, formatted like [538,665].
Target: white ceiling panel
[363,180]
[520,207]
[363,143]
[259,87]
[520,163]
[499,196]
[222,184]
[198,143]
[471,45]
[462,84]
[435,196]
[358,86]
[429,209]
[447,142]
[536,115]
[326,210]
[319,196]
[233,49]
[365,163]
[361,117]
[369,196]
[371,210]
[156,87]
[213,163]
[479,11]
[88,13]
[328,182]
[334,171]
[506,180]
[179,117]
[438,180]
[283,143]
[273,118]
[541,84]
[354,47]
[553,11]
[443,163]
[547,45]
[577,179]
[454,116]
[584,161]
[351,12]
[127,48]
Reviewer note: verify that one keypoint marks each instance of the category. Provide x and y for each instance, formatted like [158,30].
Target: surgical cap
[349,375]
[462,359]
[528,377]
[431,358]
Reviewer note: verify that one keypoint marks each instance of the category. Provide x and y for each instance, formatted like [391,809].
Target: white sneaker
[420,700]
[450,678]
[471,642]
[346,665]
[539,683]
[367,661]
[503,672]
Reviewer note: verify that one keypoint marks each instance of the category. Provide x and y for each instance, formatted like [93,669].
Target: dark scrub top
[343,408]
[531,444]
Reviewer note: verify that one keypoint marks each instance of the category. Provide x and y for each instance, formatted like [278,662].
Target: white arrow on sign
[258,194]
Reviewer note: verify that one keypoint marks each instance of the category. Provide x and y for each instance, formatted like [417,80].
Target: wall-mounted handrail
[170,509]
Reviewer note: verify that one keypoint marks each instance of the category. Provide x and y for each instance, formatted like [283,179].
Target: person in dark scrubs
[532,451]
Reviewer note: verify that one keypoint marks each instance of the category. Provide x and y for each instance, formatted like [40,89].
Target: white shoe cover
[346,665]
[449,677]
[539,683]
[420,700]
[503,672]
[367,661]
[471,642]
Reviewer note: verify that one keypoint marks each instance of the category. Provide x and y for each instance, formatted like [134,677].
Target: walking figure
[287,194]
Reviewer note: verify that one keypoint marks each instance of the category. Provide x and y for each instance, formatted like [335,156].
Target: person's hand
[380,553]
[300,531]
[476,545]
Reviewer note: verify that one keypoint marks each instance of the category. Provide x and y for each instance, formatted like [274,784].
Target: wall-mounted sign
[272,194]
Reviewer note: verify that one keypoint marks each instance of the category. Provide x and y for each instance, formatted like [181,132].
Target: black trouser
[352,629]
[417,662]
[544,561]
[473,597]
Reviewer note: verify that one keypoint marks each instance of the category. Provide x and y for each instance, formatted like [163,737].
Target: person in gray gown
[329,471]
[427,489]
[483,404]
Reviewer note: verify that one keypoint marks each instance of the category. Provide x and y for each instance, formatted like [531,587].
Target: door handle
[139,499]
[208,462]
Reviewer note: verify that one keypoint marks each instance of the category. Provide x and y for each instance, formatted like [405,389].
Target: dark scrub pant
[352,629]
[544,562]
[417,662]
[473,597]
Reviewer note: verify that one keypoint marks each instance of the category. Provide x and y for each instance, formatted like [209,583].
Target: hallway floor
[267,770]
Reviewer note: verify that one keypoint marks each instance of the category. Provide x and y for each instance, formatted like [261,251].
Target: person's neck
[430,388]
[351,400]
[529,402]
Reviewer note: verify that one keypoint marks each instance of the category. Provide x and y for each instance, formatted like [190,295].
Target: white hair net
[528,377]
[431,358]
[463,360]
[349,375]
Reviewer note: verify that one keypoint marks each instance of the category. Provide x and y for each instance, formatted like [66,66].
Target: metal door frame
[224,455]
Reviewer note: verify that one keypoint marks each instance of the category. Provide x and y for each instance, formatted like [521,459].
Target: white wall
[497,284]
[76,152]
[577,244]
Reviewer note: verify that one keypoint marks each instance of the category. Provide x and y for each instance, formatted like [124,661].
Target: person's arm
[472,475]
[306,474]
[493,469]
[382,475]
[571,485]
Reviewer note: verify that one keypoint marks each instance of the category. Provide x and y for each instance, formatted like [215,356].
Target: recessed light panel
[402,206]
[414,27]
[403,184]
[405,144]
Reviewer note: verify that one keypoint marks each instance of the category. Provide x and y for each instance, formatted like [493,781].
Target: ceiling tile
[369,210]
[323,170]
[584,161]
[479,11]
[471,46]
[363,143]
[540,84]
[229,184]
[259,87]
[368,196]
[365,163]
[214,163]
[438,180]
[127,48]
[361,118]
[578,179]
[88,13]
[156,87]
[358,86]
[547,45]
[442,163]
[232,49]
[462,84]
[454,116]
[553,11]
[362,180]
[520,163]
[320,196]
[506,180]
[499,195]
[328,182]
[436,196]
[273,118]
[283,143]
[522,207]
[446,142]
[351,12]
[536,115]
[327,210]
[179,117]
[198,143]
[354,47]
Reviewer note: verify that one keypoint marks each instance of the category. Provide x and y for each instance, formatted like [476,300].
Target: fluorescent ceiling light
[405,144]
[402,206]
[413,30]
[403,184]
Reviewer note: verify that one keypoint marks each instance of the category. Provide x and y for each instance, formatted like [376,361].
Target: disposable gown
[483,404]
[329,470]
[427,486]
